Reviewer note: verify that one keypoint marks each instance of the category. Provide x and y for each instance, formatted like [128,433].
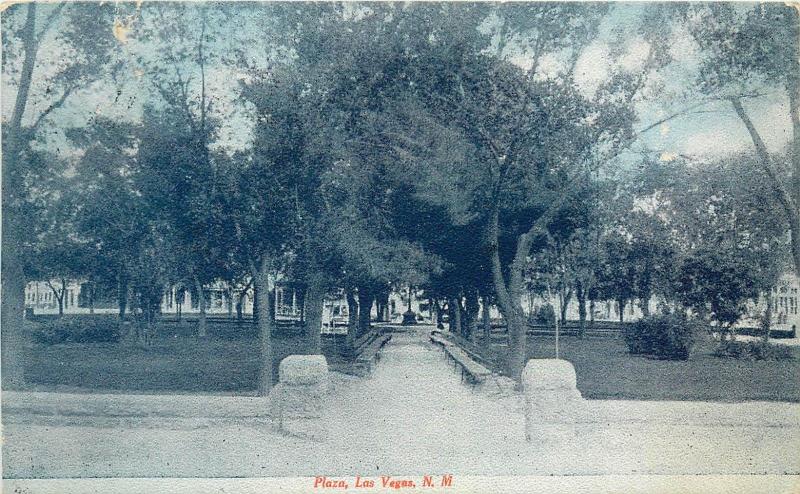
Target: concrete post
[296,401]
[553,403]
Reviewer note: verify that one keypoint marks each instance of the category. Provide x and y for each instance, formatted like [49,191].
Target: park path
[411,416]
[414,406]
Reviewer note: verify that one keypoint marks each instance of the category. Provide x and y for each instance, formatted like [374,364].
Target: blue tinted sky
[714,132]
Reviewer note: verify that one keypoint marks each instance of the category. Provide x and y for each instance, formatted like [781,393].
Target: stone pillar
[296,402]
[553,403]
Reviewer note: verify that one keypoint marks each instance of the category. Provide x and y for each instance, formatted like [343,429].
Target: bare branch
[686,111]
[765,160]
[54,106]
[49,21]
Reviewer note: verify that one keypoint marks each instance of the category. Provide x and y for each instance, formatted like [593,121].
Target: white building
[220,299]
[785,307]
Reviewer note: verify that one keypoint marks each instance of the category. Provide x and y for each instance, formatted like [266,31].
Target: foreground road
[412,416]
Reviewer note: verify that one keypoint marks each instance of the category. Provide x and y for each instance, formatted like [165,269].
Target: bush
[545,314]
[668,336]
[753,350]
[75,329]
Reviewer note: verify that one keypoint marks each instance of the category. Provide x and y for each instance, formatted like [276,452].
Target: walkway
[412,416]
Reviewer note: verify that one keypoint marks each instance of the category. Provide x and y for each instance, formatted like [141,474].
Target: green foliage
[719,283]
[668,336]
[714,236]
[545,314]
[77,329]
[753,350]
[745,48]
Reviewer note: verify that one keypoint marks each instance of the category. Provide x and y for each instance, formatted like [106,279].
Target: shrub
[76,329]
[669,336]
[753,350]
[545,314]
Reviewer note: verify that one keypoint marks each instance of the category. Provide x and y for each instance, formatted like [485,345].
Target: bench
[438,340]
[369,355]
[471,370]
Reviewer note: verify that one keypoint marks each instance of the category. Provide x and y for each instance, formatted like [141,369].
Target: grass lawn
[605,370]
[225,362]
[228,362]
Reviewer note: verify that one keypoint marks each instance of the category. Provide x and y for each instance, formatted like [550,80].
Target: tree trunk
[794,226]
[13,308]
[455,316]
[509,296]
[301,302]
[621,310]
[487,323]
[260,275]
[766,319]
[364,309]
[591,313]
[12,274]
[794,113]
[273,299]
[91,297]
[202,328]
[382,303]
[565,299]
[580,294]
[471,309]
[240,302]
[464,319]
[256,310]
[644,303]
[122,294]
[352,318]
[59,296]
[438,308]
[314,304]
[788,198]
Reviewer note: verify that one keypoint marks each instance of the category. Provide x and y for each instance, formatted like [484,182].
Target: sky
[712,131]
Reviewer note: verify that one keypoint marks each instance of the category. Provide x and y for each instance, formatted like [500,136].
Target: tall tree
[748,55]
[29,31]
[184,45]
